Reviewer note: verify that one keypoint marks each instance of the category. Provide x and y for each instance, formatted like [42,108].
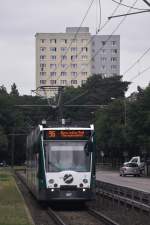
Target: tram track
[86,216]
[46,215]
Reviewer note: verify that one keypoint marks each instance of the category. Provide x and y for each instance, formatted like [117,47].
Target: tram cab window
[66,155]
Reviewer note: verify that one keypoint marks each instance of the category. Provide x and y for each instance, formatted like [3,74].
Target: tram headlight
[85,180]
[51,181]
[81,185]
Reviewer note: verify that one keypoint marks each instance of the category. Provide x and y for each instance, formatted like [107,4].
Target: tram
[61,163]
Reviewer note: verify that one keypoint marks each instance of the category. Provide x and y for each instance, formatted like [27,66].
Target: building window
[73,49]
[52,74]
[63,49]
[42,49]
[42,57]
[84,57]
[93,43]
[52,41]
[103,67]
[63,73]
[93,67]
[74,74]
[64,41]
[53,49]
[63,57]
[42,73]
[113,43]
[84,66]
[84,73]
[42,81]
[113,59]
[53,66]
[74,41]
[52,82]
[84,49]
[73,81]
[103,59]
[113,67]
[73,57]
[53,57]
[103,51]
[42,64]
[84,41]
[63,82]
[42,41]
[74,66]
[83,81]
[114,51]
[103,43]
[63,65]
[114,74]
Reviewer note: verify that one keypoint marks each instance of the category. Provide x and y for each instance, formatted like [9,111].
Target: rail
[101,218]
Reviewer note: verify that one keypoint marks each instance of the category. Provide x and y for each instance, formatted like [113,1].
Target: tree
[96,91]
[3,144]
[14,90]
[3,90]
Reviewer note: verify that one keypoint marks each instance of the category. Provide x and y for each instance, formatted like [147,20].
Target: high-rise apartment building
[68,59]
[106,55]
[62,58]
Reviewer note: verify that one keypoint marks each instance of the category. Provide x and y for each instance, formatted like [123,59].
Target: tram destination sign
[67,134]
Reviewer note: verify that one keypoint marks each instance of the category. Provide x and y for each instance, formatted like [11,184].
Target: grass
[12,206]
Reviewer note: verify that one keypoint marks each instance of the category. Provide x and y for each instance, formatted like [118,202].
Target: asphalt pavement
[139,183]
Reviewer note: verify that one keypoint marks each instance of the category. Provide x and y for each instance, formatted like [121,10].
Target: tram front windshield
[66,155]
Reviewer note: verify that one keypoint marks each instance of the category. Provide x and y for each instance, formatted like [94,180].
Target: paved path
[138,183]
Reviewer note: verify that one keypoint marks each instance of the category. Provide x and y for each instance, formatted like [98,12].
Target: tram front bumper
[73,195]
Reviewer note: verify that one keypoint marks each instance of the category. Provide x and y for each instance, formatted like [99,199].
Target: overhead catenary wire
[128,6]
[140,73]
[100,16]
[110,36]
[106,41]
[76,33]
[100,28]
[139,59]
[146,2]
[91,39]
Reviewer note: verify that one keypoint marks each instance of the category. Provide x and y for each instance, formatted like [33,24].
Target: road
[138,183]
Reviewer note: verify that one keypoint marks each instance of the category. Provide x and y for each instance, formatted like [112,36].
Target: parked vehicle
[130,169]
[137,159]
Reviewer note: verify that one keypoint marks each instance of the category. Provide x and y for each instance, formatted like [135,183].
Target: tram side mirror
[88,147]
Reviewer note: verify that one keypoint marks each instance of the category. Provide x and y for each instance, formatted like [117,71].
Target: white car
[130,169]
[137,159]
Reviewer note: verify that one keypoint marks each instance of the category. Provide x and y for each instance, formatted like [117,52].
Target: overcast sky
[21,19]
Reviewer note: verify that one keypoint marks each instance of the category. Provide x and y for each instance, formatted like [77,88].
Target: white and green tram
[61,163]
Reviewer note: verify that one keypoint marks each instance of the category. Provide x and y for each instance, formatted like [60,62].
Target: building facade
[106,55]
[68,59]
[62,58]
